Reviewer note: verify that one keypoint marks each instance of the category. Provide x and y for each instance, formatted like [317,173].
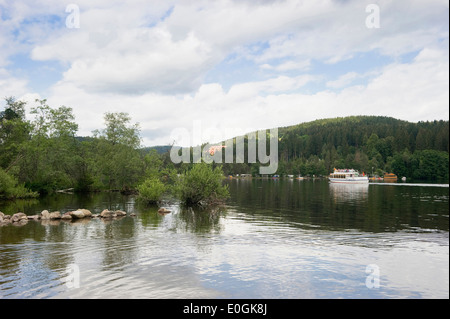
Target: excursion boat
[350,176]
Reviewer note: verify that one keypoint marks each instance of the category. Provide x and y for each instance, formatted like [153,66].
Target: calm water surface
[274,239]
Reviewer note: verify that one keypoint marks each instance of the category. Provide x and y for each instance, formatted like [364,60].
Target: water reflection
[274,239]
[349,192]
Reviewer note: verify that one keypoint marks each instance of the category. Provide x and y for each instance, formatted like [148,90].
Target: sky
[231,66]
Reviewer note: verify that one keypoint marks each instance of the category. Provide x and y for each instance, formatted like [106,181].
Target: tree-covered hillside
[45,154]
[367,143]
[371,144]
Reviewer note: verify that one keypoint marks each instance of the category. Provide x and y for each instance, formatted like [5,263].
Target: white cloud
[410,91]
[343,81]
[11,86]
[152,60]
[289,66]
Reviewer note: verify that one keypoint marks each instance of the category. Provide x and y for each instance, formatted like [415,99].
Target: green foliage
[151,190]
[119,131]
[44,154]
[366,143]
[14,131]
[11,189]
[201,185]
[428,165]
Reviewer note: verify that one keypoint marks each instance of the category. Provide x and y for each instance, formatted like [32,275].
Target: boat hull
[354,180]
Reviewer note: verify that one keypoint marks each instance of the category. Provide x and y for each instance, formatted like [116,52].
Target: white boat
[350,176]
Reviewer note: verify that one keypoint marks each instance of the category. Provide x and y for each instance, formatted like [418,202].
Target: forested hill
[387,135]
[367,143]
[45,154]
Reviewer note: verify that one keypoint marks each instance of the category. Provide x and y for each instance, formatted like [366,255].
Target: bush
[151,190]
[202,185]
[11,189]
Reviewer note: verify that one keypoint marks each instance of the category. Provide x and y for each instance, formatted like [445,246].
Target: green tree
[48,156]
[430,165]
[10,188]
[119,131]
[14,131]
[117,162]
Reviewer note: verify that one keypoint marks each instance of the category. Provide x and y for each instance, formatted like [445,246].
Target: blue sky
[230,65]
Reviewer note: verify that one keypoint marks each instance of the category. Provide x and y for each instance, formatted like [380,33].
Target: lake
[274,239]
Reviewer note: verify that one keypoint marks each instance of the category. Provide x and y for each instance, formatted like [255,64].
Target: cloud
[343,81]
[284,61]
[413,91]
[11,86]
[289,66]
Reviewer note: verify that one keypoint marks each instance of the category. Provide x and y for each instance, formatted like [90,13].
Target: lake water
[277,239]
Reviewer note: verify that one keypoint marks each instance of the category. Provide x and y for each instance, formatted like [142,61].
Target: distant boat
[390,177]
[350,176]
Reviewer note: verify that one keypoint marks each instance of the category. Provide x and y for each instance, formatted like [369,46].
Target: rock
[87,213]
[163,211]
[66,216]
[18,217]
[120,213]
[5,222]
[107,214]
[33,217]
[77,214]
[5,219]
[55,215]
[132,214]
[45,214]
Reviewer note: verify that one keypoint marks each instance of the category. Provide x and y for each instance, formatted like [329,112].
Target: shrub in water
[151,190]
[202,185]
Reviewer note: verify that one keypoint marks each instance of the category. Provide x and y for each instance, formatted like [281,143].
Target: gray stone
[45,214]
[77,214]
[18,217]
[87,213]
[55,215]
[107,214]
[66,216]
[120,213]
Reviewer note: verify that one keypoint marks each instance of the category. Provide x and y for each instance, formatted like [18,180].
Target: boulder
[66,216]
[33,217]
[87,213]
[77,214]
[5,219]
[120,213]
[107,214]
[55,215]
[45,214]
[18,217]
